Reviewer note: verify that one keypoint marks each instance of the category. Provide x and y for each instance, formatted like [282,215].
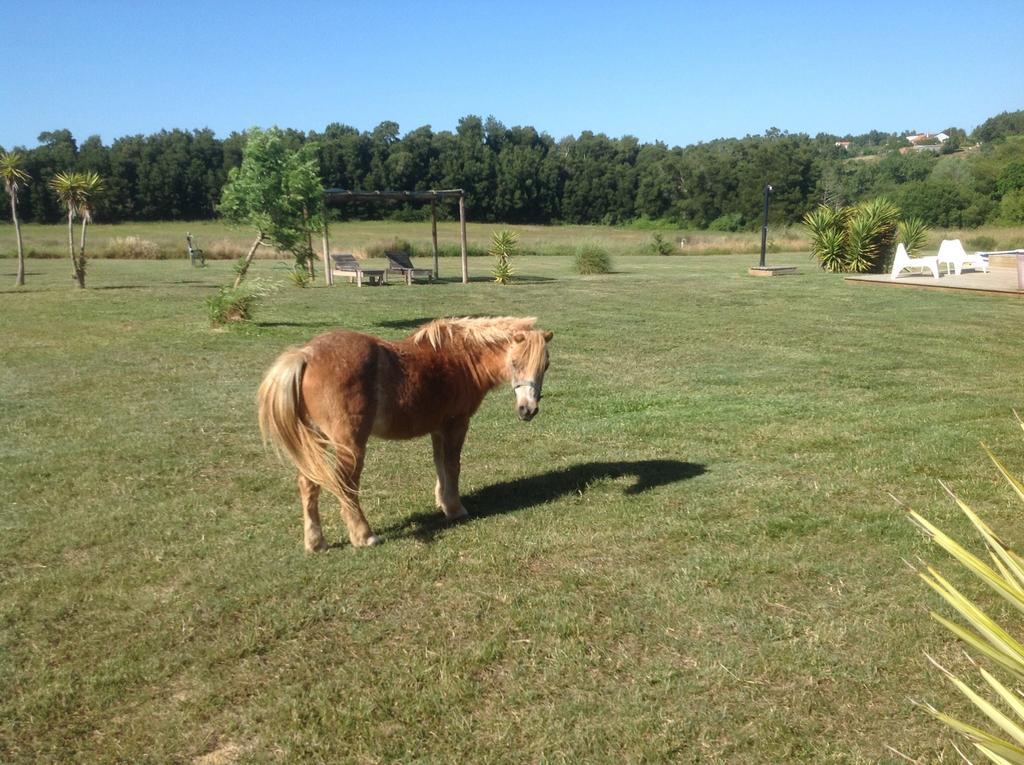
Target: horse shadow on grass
[517,279]
[325,324]
[320,324]
[404,323]
[522,493]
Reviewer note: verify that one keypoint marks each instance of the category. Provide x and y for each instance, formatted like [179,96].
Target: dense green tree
[1000,126]
[517,174]
[937,203]
[278,192]
[1011,178]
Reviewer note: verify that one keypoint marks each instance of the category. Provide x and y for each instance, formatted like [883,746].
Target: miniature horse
[321,402]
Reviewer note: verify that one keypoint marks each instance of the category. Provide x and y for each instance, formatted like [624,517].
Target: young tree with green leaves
[14,175]
[76,193]
[278,192]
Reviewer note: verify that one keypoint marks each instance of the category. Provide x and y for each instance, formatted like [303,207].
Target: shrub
[660,246]
[503,247]
[591,259]
[982,633]
[981,243]
[1011,208]
[236,304]
[132,248]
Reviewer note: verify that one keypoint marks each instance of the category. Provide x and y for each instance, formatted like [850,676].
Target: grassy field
[223,242]
[689,556]
[220,240]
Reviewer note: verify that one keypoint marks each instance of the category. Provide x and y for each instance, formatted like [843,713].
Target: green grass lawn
[690,555]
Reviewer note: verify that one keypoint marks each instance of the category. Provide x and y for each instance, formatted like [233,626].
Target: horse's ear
[518,337]
[548,336]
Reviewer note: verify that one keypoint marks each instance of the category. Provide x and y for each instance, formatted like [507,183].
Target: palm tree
[75,192]
[14,176]
[91,184]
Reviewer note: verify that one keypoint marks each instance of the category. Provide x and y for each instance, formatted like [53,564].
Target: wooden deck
[998,281]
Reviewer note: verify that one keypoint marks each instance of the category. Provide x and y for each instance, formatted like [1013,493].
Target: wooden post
[433,230]
[465,252]
[328,271]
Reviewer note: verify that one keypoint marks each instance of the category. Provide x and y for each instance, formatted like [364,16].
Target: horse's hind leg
[359,532]
[309,492]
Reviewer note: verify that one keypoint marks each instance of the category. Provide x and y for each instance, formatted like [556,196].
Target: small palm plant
[854,239]
[1002,705]
[91,185]
[232,305]
[14,175]
[503,247]
[871,238]
[827,226]
[76,192]
[913,233]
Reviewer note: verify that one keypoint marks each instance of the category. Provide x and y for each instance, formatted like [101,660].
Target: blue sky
[679,72]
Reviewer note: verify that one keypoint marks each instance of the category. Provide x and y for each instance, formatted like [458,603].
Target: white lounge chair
[903,260]
[951,252]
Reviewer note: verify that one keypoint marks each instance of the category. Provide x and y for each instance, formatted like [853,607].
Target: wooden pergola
[337,197]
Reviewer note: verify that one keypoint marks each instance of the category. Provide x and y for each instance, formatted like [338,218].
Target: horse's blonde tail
[282,425]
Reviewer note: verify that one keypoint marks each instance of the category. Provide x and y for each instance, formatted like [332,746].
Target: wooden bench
[345,264]
[399,263]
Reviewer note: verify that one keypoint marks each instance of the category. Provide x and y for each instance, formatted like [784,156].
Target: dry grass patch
[132,248]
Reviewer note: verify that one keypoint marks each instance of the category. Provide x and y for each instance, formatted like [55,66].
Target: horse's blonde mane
[484,330]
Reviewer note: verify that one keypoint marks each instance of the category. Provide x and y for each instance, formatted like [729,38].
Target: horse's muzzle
[526,413]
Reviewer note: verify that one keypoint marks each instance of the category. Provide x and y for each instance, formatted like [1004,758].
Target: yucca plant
[854,239]
[236,304]
[1000,702]
[827,227]
[298,274]
[913,233]
[503,247]
[871,238]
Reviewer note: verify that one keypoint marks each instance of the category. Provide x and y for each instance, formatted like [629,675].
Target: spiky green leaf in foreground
[1001,704]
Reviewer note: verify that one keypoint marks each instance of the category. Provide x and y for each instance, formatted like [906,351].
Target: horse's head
[528,361]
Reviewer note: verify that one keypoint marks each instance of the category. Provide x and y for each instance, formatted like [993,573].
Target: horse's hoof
[458,515]
[371,541]
[318,546]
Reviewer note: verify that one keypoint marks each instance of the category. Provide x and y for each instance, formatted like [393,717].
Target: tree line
[521,175]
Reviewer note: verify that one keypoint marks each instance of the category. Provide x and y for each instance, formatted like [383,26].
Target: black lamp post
[764,228]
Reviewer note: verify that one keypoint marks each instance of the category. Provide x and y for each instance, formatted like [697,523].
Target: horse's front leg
[448,461]
[437,441]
